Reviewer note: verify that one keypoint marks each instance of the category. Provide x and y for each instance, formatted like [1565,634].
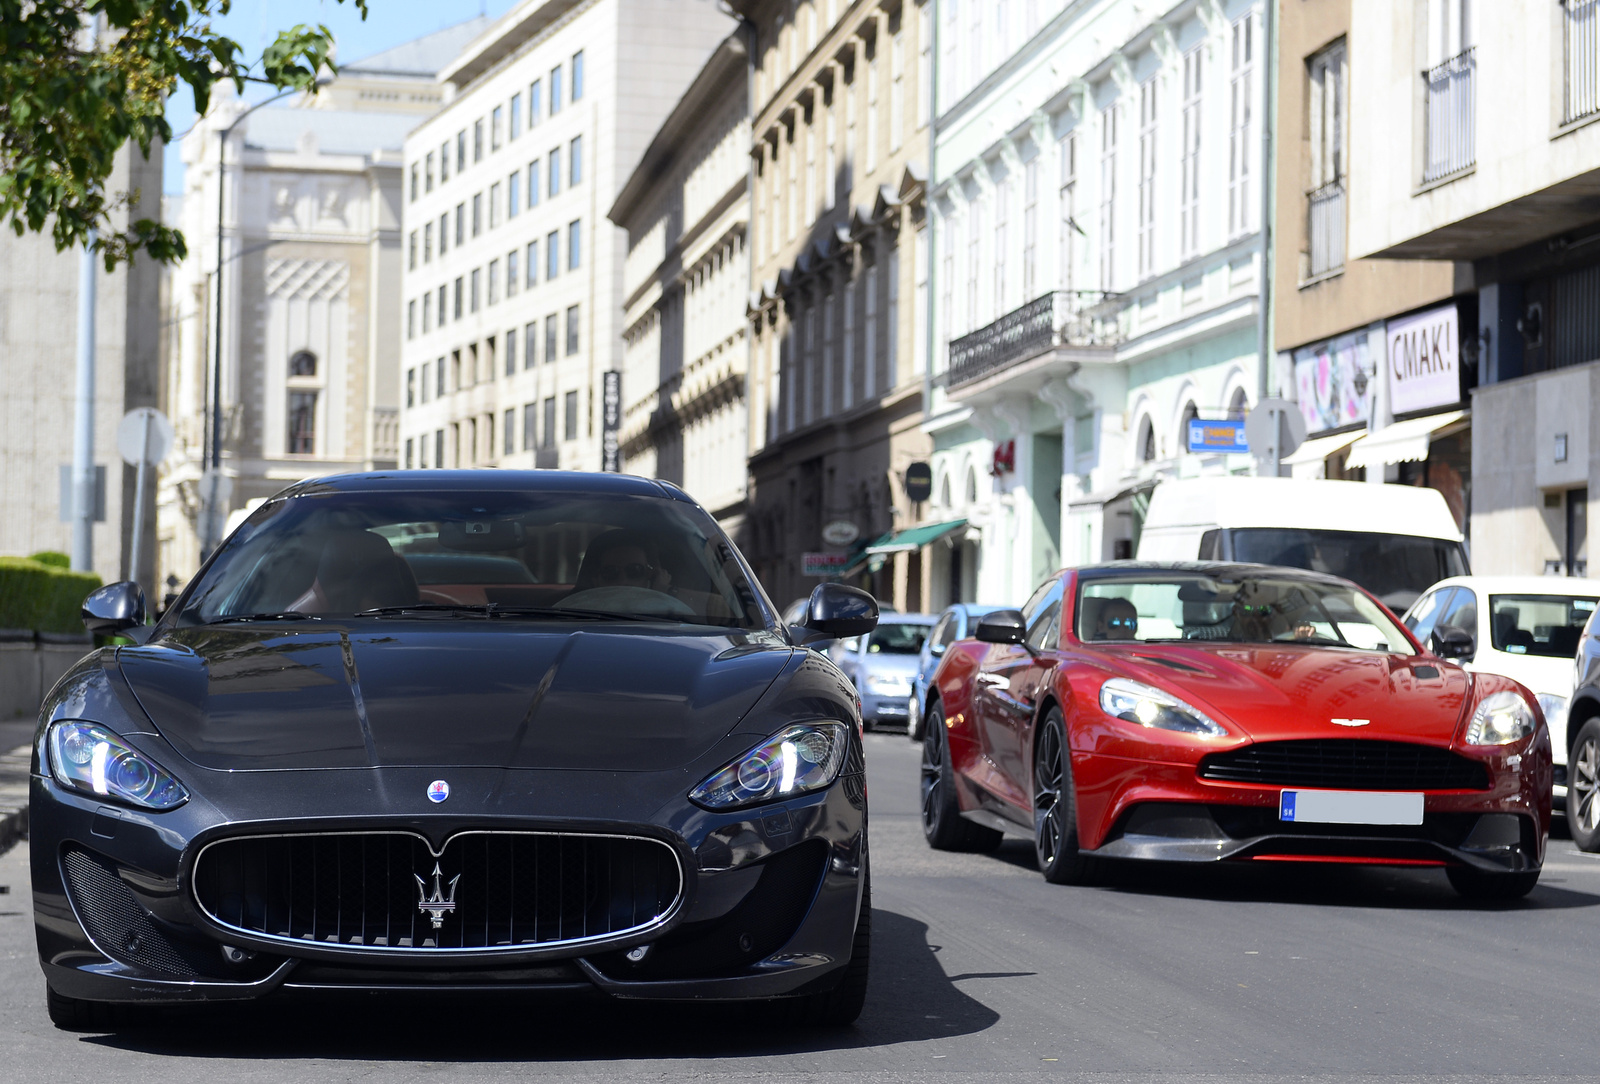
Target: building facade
[1490,158]
[1098,254]
[841,114]
[686,211]
[38,351]
[513,277]
[310,291]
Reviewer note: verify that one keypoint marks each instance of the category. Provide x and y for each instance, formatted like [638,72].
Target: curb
[14,796]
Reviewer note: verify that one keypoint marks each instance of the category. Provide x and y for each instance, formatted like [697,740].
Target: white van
[1396,541]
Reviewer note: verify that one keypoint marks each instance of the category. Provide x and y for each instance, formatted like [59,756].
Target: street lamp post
[212,526]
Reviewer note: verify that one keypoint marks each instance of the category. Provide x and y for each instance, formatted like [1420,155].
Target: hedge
[42,597]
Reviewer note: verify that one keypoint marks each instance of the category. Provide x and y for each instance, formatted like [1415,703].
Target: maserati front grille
[1346,764]
[484,892]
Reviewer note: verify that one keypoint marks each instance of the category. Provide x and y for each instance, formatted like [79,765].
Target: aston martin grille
[1346,764]
[485,891]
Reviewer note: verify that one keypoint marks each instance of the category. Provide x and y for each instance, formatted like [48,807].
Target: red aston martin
[1202,712]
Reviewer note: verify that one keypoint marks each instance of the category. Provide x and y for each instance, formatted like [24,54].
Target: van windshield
[1396,568]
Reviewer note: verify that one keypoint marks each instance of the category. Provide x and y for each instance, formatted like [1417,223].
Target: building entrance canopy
[1402,442]
[907,541]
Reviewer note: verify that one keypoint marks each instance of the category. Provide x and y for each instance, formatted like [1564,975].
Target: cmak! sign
[1424,360]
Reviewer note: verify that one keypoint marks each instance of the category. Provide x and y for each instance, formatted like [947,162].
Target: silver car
[883,665]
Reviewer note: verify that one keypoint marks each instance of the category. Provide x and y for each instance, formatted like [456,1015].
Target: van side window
[1211,546]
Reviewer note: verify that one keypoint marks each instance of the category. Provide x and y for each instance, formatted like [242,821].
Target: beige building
[686,210]
[1490,157]
[838,306]
[1332,310]
[38,348]
[311,301]
[513,279]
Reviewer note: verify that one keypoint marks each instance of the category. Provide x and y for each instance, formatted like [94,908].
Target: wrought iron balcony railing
[1057,319]
[1581,38]
[1450,146]
[1325,228]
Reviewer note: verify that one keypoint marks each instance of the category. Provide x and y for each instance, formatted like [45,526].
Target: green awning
[914,538]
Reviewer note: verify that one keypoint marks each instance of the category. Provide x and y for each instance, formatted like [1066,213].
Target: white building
[686,210]
[513,281]
[310,314]
[1096,196]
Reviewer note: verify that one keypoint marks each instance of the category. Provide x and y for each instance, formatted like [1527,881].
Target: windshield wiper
[282,615]
[566,614]
[488,609]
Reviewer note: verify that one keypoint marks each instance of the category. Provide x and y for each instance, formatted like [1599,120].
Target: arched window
[1190,413]
[1147,440]
[972,486]
[1239,405]
[303,363]
[944,491]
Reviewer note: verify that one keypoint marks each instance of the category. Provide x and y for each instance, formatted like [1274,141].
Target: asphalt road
[981,971]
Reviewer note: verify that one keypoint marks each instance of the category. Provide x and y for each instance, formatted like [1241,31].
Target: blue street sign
[1217,436]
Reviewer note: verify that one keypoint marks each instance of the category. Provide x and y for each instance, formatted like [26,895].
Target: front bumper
[769,904]
[886,708]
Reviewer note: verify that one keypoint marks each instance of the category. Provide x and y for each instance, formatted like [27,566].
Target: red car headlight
[1155,708]
[1502,718]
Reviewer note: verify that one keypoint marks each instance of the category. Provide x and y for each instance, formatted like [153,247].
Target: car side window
[1462,612]
[1425,614]
[1044,618]
[942,635]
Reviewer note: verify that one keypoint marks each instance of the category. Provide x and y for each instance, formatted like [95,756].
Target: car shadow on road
[1322,885]
[909,999]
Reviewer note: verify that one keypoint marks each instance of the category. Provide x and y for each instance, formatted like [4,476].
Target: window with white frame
[830,175]
[974,261]
[869,342]
[1067,205]
[1108,195]
[1326,136]
[792,196]
[1242,147]
[1148,98]
[811,203]
[897,89]
[872,112]
[998,304]
[947,287]
[1189,177]
[924,64]
[1030,229]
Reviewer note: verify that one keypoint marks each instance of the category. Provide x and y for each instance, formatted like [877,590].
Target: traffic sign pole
[140,488]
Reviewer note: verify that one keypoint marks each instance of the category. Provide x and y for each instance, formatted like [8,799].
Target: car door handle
[993,681]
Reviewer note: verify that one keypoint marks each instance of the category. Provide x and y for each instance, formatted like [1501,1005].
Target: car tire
[913,719]
[840,1006]
[1475,884]
[942,823]
[1583,787]
[1055,808]
[76,1014]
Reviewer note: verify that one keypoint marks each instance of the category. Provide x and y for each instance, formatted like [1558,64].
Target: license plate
[1350,807]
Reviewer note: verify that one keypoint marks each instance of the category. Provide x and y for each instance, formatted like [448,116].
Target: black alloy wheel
[1475,884]
[1055,808]
[840,1006]
[942,823]
[1583,787]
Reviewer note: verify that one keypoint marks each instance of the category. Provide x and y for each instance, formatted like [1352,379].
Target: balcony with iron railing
[1325,229]
[1449,147]
[1580,39]
[1056,320]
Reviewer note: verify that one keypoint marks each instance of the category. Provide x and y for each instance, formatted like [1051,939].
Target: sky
[255,23]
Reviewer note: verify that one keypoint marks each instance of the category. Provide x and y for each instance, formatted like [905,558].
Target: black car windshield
[1233,608]
[443,553]
[1548,625]
[1396,568]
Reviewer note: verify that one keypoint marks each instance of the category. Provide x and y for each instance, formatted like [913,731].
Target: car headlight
[888,684]
[1152,707]
[796,761]
[93,760]
[1501,719]
[1554,708]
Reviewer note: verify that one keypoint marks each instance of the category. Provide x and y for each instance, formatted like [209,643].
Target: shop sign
[1332,382]
[1424,361]
[1217,436]
[918,482]
[841,532]
[822,564]
[610,420]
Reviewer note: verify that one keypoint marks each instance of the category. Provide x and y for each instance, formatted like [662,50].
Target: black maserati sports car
[483,730]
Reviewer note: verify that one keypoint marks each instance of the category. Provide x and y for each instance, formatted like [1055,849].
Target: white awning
[1401,442]
[1317,449]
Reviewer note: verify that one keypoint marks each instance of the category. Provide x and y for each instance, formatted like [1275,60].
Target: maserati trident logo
[438,791]
[1349,722]
[436,905]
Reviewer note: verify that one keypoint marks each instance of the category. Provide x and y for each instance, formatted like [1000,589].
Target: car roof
[1524,585]
[1235,501]
[1128,570]
[892,618]
[546,481]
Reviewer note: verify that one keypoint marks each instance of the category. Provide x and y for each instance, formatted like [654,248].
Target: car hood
[1286,691]
[412,693]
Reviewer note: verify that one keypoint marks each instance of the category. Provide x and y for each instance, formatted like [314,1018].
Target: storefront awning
[914,538]
[1317,449]
[1402,442]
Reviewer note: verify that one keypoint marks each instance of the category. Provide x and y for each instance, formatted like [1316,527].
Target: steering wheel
[626,600]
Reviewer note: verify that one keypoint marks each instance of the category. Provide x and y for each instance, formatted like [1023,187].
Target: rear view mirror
[1002,627]
[113,608]
[1449,642]
[835,610]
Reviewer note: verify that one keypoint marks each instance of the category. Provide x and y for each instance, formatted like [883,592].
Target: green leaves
[66,109]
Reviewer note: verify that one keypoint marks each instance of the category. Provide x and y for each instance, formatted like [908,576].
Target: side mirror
[936,650]
[833,611]
[1002,627]
[114,608]
[1450,642]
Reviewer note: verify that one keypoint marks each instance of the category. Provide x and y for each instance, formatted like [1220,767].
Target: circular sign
[841,532]
[438,791]
[1286,416]
[919,482]
[144,436]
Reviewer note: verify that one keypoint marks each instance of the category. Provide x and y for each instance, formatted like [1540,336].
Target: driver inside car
[1118,620]
[622,558]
